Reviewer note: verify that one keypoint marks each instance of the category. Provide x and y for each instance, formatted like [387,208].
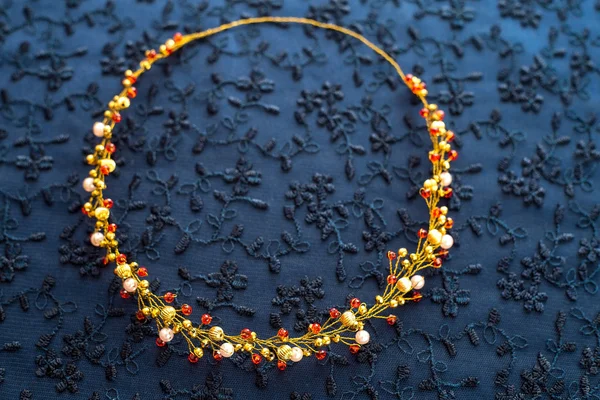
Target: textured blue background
[512,315]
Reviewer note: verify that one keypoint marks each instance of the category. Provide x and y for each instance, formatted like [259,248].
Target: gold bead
[402,252]
[168,313]
[87,206]
[123,102]
[429,249]
[110,235]
[145,292]
[205,342]
[146,311]
[336,338]
[123,271]
[170,44]
[265,352]
[112,257]
[393,303]
[107,129]
[379,299]
[144,284]
[400,301]
[163,49]
[102,213]
[126,83]
[326,340]
[284,352]
[413,257]
[216,333]
[248,347]
[154,312]
[90,159]
[405,263]
[318,342]
[362,309]
[193,332]
[107,114]
[348,319]
[432,107]
[198,352]
[306,352]
[253,335]
[442,219]
[145,64]
[93,173]
[360,325]
[237,347]
[177,328]
[187,324]
[446,165]
[270,357]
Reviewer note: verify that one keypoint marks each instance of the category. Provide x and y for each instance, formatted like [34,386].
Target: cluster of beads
[403,282]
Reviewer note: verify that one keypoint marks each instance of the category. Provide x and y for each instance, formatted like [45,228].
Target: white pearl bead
[362,337]
[226,350]
[166,334]
[446,242]
[130,285]
[445,178]
[438,125]
[417,282]
[88,184]
[434,237]
[98,129]
[97,238]
[404,284]
[297,354]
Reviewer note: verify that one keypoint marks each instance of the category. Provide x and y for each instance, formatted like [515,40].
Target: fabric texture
[264,173]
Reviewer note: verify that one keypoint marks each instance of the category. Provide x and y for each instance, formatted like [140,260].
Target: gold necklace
[346,327]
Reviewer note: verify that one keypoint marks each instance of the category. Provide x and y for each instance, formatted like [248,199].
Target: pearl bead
[417,282]
[446,242]
[362,337]
[297,354]
[434,236]
[96,238]
[98,129]
[88,185]
[438,125]
[130,285]
[446,178]
[226,350]
[166,334]
[404,284]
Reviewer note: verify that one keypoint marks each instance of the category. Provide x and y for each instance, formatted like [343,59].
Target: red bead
[434,157]
[246,334]
[142,272]
[392,279]
[104,170]
[354,348]
[192,358]
[282,333]
[321,354]
[448,193]
[151,54]
[256,359]
[437,263]
[422,233]
[186,309]
[439,115]
[355,302]
[108,203]
[436,212]
[110,148]
[449,223]
[83,211]
[391,255]
[131,92]
[424,112]
[281,365]
[417,296]
[206,319]
[434,131]
[391,320]
[105,260]
[408,77]
[450,136]
[121,259]
[112,227]
[169,297]
[124,294]
[159,342]
[425,193]
[116,117]
[453,155]
[217,356]
[140,315]
[177,37]
[132,79]
[315,328]
[334,313]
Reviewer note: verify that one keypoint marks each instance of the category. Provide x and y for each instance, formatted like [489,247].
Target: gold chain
[402,281]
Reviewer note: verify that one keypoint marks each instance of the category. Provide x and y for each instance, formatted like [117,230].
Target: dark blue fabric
[264,173]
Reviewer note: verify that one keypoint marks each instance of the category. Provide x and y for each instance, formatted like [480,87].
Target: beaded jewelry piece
[347,326]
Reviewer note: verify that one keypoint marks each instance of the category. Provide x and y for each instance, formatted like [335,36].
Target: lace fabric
[266,172]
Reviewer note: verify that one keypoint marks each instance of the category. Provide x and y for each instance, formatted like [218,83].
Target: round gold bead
[413,256]
[237,347]
[154,312]
[123,102]
[110,235]
[393,303]
[446,165]
[264,352]
[362,309]
[163,49]
[193,332]
[318,342]
[170,44]
[87,206]
[248,347]
[405,263]
[348,319]
[107,129]
[428,249]
[111,104]
[432,107]
[93,173]
[270,357]
[204,342]
[402,252]
[326,340]
[216,333]
[99,148]
[187,324]
[107,114]
[126,83]
[102,213]
[145,292]
[360,325]
[123,271]
[336,338]
[284,352]
[198,352]
[146,311]
[144,284]
[128,73]
[134,265]
[253,335]
[112,257]
[168,313]
[145,64]
[90,159]
[379,299]
[176,328]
